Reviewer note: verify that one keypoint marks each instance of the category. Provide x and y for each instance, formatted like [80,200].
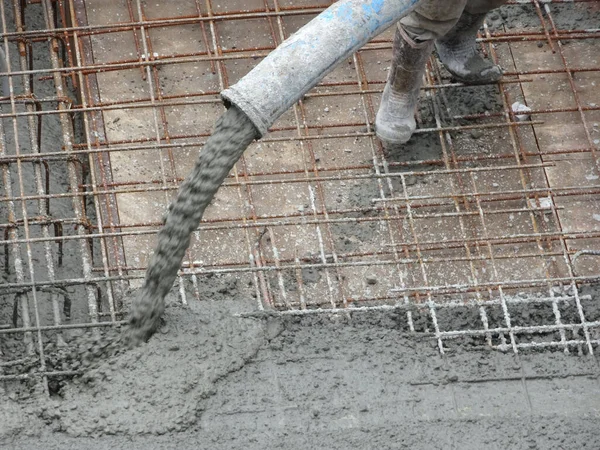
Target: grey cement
[212,379]
[233,133]
[442,434]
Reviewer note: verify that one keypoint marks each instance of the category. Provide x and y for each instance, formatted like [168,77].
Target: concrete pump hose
[303,59]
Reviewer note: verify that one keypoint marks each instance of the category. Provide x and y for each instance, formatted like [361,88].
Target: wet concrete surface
[213,379]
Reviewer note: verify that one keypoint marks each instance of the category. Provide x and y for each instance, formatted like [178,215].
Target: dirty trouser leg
[454,24]
[395,121]
[413,44]
[431,20]
[483,6]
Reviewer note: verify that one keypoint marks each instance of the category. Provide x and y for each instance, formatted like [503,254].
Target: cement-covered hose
[303,59]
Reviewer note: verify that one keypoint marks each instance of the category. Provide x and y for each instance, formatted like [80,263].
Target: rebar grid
[478,207]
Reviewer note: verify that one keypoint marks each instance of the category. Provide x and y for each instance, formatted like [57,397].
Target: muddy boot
[458,51]
[395,121]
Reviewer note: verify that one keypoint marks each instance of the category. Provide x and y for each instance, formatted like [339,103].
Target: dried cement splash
[233,133]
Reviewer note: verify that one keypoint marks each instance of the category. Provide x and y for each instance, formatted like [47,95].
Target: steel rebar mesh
[111,101]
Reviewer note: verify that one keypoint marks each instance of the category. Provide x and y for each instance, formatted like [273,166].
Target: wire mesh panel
[111,101]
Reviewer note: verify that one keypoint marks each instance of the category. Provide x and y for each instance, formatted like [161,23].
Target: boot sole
[390,138]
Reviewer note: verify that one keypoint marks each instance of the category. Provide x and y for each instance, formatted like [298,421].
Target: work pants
[432,19]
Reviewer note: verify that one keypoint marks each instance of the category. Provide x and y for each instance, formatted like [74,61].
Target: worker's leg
[395,121]
[454,23]
[458,50]
[413,44]
[432,19]
[483,6]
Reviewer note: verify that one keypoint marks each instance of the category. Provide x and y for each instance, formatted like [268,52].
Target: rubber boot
[458,52]
[395,121]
